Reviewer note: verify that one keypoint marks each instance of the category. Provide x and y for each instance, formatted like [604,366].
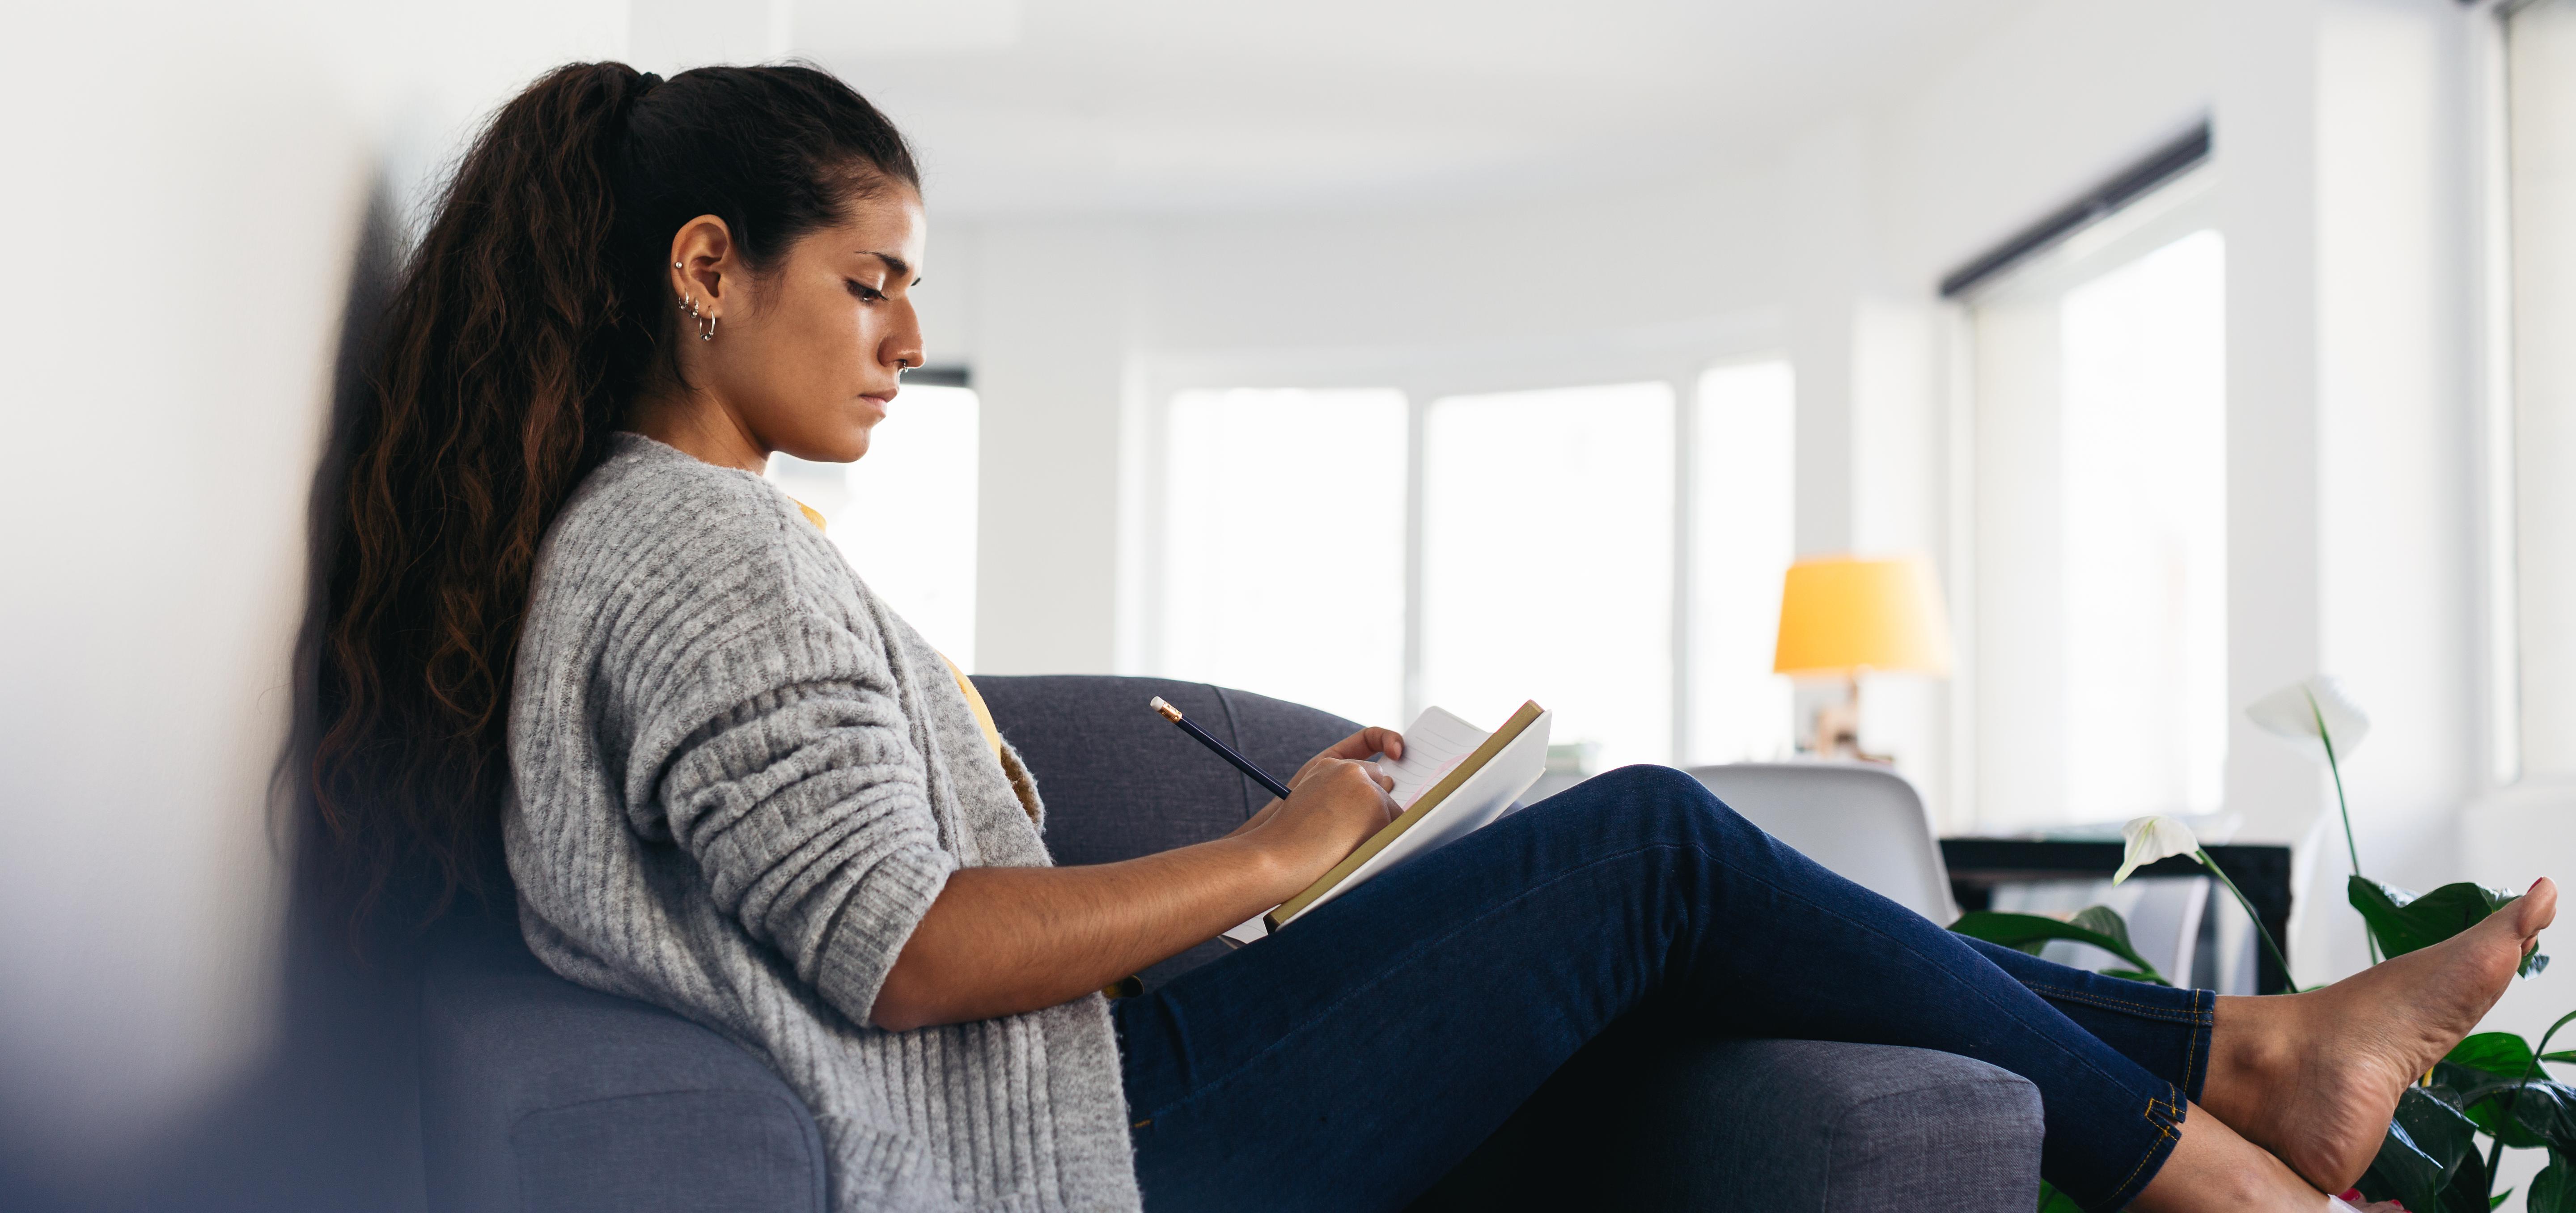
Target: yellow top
[1840,615]
[965,686]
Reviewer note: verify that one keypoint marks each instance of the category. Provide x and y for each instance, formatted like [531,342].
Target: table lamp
[1841,615]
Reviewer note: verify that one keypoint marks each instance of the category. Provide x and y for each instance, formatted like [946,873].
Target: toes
[2538,907]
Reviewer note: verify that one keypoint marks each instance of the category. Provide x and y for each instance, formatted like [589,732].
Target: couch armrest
[1811,1124]
[537,1094]
[1660,1120]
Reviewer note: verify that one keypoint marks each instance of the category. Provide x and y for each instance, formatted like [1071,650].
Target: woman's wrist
[1271,864]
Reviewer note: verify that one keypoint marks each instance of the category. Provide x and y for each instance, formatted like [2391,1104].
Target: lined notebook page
[1433,744]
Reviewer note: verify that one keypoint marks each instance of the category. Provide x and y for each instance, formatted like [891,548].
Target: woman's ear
[706,272]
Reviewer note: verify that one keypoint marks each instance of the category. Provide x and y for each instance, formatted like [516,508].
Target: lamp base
[1837,732]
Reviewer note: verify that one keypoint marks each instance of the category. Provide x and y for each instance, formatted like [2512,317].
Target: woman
[731,782]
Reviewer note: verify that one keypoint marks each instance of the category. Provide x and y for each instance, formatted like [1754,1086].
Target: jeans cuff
[2164,1116]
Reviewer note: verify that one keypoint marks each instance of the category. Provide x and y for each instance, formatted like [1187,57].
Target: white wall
[2346,200]
[188,182]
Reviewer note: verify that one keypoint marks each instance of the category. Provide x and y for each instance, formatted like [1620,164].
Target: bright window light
[2541,69]
[1283,546]
[1547,563]
[904,516]
[2143,534]
[1741,541]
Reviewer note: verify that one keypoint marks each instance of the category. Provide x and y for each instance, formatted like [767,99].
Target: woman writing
[731,782]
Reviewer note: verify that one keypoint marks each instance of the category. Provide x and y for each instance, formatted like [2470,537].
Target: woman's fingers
[1371,740]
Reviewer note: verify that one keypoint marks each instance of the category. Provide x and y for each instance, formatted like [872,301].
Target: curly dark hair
[520,328]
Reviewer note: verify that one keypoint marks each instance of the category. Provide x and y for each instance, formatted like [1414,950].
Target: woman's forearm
[1001,941]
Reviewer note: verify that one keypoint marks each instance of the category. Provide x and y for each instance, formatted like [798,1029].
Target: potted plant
[2494,1086]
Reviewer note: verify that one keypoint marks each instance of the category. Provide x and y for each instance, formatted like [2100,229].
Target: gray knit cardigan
[738,780]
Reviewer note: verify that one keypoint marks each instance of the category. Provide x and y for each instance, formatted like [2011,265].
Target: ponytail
[526,319]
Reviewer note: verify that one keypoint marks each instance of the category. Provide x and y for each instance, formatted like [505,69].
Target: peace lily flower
[2160,837]
[2315,715]
[2154,838]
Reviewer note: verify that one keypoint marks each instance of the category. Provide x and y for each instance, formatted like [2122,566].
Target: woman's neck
[699,425]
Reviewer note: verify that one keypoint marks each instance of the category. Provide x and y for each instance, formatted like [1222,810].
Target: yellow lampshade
[1840,615]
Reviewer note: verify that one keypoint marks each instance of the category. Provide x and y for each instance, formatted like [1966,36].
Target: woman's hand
[1000,941]
[1335,802]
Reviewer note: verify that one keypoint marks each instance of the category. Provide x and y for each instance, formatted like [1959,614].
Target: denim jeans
[1351,1059]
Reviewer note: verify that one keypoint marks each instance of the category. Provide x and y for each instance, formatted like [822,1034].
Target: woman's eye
[864,291]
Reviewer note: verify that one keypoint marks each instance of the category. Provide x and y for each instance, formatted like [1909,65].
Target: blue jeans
[1350,1060]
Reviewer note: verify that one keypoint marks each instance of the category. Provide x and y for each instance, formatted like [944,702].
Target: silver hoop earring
[710,333]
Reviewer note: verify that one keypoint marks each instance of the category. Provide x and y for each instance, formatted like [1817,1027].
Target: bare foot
[2212,1170]
[2314,1077]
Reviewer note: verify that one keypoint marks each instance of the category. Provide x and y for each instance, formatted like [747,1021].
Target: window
[1283,541]
[2144,535]
[2540,65]
[1742,460]
[904,516]
[2100,525]
[1547,568]
[1537,545]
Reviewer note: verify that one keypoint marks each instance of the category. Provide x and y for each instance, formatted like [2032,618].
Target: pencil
[1223,750]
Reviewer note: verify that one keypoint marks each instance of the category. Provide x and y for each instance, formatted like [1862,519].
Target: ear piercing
[706,322]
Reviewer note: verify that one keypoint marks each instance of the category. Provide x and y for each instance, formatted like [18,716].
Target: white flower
[2154,838]
[2293,713]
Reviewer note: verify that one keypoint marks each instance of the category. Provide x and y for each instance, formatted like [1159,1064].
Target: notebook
[1453,780]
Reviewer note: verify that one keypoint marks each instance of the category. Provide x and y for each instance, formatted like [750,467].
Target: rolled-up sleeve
[805,808]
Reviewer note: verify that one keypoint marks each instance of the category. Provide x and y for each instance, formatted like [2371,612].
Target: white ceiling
[1177,106]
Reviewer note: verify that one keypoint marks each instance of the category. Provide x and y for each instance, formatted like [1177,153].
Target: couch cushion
[538,1094]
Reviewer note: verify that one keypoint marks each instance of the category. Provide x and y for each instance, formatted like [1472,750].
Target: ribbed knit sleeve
[813,830]
[778,749]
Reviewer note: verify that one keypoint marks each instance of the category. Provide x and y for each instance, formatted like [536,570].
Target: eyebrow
[900,267]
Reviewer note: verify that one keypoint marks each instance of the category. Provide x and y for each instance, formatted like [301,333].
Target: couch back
[1120,781]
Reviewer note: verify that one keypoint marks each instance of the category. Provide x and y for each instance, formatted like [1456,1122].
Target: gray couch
[540,1095]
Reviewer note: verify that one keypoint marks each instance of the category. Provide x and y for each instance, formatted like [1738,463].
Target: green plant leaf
[2542,1113]
[2554,1189]
[2547,1036]
[2103,920]
[2028,932]
[2053,1201]
[2403,921]
[2404,1172]
[2497,1200]
[2502,1054]
[2564,1057]
[2437,1127]
[2467,1190]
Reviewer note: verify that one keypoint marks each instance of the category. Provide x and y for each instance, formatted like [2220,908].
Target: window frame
[2498,457]
[2177,205]
[1675,355]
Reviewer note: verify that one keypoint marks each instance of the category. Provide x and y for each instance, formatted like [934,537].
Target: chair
[537,1094]
[1862,821]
